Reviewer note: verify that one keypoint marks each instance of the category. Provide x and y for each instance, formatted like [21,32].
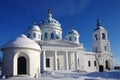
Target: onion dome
[50,20]
[99,25]
[35,27]
[73,32]
[21,42]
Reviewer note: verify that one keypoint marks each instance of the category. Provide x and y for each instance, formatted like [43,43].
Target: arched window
[75,38]
[52,35]
[70,38]
[34,35]
[103,35]
[46,36]
[96,37]
[57,37]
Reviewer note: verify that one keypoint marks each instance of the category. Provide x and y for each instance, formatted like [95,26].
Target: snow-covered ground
[73,75]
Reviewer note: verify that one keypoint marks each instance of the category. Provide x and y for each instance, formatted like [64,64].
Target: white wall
[10,57]
[90,57]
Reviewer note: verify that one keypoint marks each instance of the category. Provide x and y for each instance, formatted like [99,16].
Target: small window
[103,35]
[95,64]
[70,38]
[75,38]
[96,49]
[78,62]
[96,37]
[47,62]
[105,48]
[39,36]
[52,35]
[34,35]
[89,63]
[57,37]
[46,21]
[29,35]
[45,36]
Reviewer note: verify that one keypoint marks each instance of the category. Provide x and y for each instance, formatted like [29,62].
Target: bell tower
[101,46]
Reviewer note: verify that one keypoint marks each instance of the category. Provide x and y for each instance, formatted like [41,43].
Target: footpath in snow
[73,75]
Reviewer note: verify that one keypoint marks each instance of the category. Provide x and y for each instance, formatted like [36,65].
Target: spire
[49,13]
[98,23]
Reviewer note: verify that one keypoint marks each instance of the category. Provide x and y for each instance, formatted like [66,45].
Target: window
[39,36]
[46,21]
[52,35]
[103,35]
[95,64]
[75,38]
[78,62]
[95,49]
[70,38]
[45,36]
[47,62]
[89,63]
[29,35]
[105,48]
[34,35]
[96,37]
[57,37]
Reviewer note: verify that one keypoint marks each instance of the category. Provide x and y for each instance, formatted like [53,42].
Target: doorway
[107,65]
[22,65]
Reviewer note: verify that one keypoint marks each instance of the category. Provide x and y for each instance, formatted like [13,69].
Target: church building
[42,48]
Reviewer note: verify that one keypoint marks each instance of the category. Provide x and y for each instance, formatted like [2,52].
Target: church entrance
[107,65]
[21,65]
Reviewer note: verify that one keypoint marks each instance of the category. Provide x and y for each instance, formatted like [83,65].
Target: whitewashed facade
[56,53]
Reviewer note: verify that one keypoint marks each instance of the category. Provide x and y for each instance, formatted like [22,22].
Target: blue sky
[16,16]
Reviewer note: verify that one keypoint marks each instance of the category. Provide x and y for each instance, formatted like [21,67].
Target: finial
[49,13]
[34,23]
[98,22]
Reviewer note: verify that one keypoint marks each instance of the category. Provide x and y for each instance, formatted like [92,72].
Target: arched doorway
[107,65]
[21,65]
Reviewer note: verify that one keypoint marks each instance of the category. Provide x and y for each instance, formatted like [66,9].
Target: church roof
[50,20]
[73,32]
[99,27]
[35,27]
[60,43]
[22,42]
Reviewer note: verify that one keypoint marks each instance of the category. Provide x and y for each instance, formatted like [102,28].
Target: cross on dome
[98,22]
[49,13]
[34,23]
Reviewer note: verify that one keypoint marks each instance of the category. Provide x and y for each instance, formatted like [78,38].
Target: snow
[72,75]
[23,42]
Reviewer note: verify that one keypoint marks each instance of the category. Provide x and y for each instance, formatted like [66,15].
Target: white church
[42,49]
